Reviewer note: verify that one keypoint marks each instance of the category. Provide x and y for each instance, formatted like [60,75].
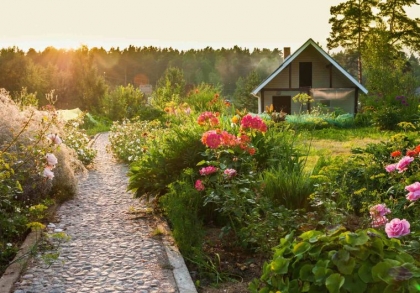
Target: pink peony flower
[391,168]
[397,228]
[55,138]
[199,185]
[208,170]
[403,163]
[379,210]
[379,221]
[51,160]
[211,139]
[414,191]
[229,173]
[48,173]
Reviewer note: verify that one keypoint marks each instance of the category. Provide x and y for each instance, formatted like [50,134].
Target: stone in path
[108,251]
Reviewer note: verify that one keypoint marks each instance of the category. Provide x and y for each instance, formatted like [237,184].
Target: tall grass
[288,187]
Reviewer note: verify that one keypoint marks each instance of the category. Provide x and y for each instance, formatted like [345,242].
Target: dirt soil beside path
[243,266]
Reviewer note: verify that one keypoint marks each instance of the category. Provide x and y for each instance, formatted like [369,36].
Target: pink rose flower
[379,221]
[229,173]
[55,138]
[391,168]
[379,210]
[208,170]
[414,191]
[397,228]
[403,163]
[48,173]
[199,185]
[51,160]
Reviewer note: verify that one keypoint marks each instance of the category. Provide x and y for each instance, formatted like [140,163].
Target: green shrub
[123,102]
[182,206]
[165,159]
[335,261]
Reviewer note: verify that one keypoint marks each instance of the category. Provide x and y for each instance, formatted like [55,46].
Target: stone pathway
[108,251]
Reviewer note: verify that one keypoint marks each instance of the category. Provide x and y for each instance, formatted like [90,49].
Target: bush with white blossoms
[129,139]
[78,140]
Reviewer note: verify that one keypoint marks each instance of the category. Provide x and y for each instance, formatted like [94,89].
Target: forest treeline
[81,77]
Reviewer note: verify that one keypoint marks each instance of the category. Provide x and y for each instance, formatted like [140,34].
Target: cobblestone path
[108,251]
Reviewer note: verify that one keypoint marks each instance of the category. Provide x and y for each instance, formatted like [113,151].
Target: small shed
[313,71]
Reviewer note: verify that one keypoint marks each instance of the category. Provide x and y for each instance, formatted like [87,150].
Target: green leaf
[201,163]
[380,272]
[321,273]
[353,283]
[315,251]
[280,265]
[356,239]
[301,247]
[344,262]
[378,247]
[365,273]
[306,274]
[309,234]
[334,283]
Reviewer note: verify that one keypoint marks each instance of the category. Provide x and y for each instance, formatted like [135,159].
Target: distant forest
[82,77]
[77,74]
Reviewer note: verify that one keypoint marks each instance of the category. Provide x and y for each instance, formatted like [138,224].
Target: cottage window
[305,74]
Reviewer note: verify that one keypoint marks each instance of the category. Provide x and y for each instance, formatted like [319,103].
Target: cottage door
[282,103]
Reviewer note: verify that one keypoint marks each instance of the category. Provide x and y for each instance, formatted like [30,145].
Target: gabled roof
[292,57]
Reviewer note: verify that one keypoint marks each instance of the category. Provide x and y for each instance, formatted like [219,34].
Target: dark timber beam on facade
[290,75]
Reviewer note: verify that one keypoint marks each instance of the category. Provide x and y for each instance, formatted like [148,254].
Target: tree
[242,97]
[387,73]
[350,24]
[403,31]
[88,87]
[170,87]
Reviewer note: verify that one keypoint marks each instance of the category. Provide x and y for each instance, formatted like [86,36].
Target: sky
[180,24]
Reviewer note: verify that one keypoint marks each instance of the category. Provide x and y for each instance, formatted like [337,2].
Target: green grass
[347,134]
[97,129]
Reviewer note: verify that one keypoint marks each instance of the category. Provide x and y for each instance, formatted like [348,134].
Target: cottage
[311,70]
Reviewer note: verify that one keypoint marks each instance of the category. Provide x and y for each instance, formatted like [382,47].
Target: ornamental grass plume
[28,128]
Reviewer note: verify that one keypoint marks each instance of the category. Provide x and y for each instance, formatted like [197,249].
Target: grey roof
[289,59]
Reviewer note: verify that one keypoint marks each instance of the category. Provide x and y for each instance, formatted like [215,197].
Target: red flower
[396,154]
[411,153]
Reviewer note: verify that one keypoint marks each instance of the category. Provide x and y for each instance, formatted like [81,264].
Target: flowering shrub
[34,170]
[78,140]
[129,139]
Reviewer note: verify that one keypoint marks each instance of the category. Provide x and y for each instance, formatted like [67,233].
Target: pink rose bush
[218,140]
[397,228]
